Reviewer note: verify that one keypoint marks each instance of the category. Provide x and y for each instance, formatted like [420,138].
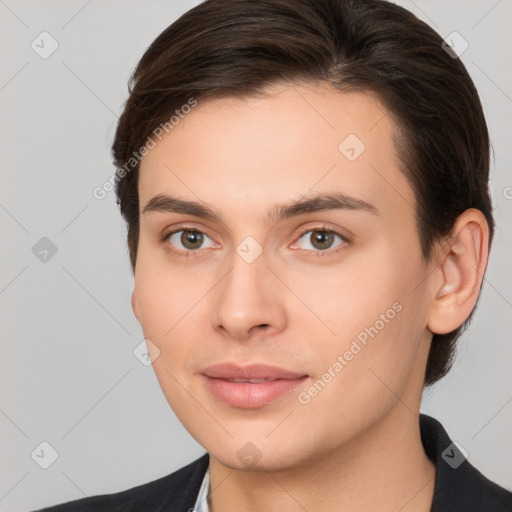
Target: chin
[262,465]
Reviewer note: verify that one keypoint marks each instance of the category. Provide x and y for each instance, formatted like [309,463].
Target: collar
[201,504]
[459,486]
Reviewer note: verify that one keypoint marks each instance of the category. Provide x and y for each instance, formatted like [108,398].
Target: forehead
[248,154]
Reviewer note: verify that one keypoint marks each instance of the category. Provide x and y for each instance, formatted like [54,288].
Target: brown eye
[191,239]
[185,241]
[321,241]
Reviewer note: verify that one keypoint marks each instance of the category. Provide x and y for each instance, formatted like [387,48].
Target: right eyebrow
[170,204]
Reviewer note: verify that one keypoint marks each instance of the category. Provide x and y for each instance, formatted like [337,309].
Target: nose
[249,301]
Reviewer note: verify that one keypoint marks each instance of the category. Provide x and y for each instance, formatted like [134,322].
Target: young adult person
[305,184]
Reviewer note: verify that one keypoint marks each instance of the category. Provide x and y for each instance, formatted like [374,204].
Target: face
[315,313]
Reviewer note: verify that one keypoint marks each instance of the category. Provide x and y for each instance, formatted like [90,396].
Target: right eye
[190,240]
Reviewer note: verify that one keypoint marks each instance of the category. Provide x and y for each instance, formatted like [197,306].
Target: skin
[356,444]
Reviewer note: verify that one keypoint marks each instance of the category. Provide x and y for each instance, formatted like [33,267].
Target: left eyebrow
[318,203]
[321,203]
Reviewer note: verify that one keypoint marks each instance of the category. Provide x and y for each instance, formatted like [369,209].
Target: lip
[252,371]
[273,383]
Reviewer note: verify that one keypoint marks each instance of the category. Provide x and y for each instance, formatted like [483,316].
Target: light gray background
[68,372]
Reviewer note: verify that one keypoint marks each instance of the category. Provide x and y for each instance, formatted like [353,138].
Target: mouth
[250,386]
[252,381]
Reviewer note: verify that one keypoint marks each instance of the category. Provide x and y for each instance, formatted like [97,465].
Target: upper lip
[252,371]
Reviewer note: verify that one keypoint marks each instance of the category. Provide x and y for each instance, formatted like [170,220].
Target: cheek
[347,298]
[362,372]
[164,294]
[172,315]
[371,311]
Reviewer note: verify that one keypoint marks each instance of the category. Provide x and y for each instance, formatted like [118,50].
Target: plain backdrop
[69,376]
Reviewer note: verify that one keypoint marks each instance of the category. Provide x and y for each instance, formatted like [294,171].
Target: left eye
[322,239]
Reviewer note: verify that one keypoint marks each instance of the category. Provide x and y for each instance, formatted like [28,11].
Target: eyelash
[315,253]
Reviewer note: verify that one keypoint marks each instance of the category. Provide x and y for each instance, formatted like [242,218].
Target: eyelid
[327,228]
[181,227]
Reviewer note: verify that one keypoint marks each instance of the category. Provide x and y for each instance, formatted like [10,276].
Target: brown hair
[237,47]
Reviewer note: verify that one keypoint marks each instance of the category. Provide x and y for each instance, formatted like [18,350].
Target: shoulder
[485,494]
[178,489]
[458,484]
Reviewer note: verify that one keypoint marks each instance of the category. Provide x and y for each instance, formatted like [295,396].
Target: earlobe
[462,270]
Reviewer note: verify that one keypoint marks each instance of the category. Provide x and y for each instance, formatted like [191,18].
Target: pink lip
[277,381]
[252,371]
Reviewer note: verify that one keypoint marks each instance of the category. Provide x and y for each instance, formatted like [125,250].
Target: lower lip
[251,395]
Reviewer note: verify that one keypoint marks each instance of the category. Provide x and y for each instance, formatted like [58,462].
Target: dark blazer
[458,485]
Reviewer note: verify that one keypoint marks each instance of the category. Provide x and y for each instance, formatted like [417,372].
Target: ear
[135,309]
[461,269]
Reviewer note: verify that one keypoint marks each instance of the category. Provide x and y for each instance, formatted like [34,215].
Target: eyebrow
[319,203]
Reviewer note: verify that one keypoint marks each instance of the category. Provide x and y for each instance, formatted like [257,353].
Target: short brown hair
[237,47]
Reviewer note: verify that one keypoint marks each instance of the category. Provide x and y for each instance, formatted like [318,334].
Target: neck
[384,469]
